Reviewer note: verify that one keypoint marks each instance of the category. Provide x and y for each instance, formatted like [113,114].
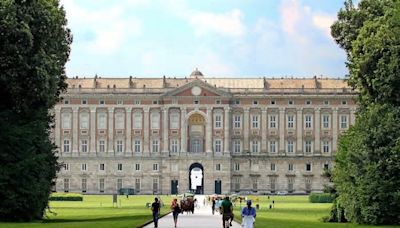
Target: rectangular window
[290,146]
[290,121]
[155,120]
[290,102]
[273,167]
[120,102]
[102,146]
[308,121]
[137,120]
[84,167]
[66,101]
[84,185]
[237,121]
[101,185]
[119,184]
[326,102]
[155,185]
[290,167]
[326,146]
[237,102]
[137,146]
[325,121]
[66,185]
[272,183]
[218,167]
[237,147]
[84,120]
[272,146]
[119,146]
[66,120]
[255,121]
[137,167]
[308,146]
[343,121]
[218,101]
[119,167]
[66,167]
[174,146]
[137,102]
[273,102]
[120,121]
[66,145]
[344,102]
[272,121]
[174,121]
[137,185]
[308,167]
[236,182]
[102,167]
[254,146]
[255,102]
[84,146]
[102,121]
[308,102]
[155,146]
[237,167]
[218,146]
[155,167]
[218,121]
[102,102]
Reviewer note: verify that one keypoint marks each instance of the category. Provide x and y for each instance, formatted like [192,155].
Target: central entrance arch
[196,178]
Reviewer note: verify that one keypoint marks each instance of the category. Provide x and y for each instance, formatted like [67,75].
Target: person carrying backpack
[176,209]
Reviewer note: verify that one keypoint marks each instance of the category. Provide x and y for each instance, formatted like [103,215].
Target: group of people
[248,213]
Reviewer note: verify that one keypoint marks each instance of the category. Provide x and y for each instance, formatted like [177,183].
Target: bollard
[258,206]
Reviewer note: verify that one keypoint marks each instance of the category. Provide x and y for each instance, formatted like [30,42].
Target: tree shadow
[106,219]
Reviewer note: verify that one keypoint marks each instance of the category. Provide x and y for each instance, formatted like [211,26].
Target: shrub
[321,198]
[66,197]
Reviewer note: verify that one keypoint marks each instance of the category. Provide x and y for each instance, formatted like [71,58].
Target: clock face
[196,91]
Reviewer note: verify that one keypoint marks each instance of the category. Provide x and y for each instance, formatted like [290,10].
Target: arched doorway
[196,178]
[196,133]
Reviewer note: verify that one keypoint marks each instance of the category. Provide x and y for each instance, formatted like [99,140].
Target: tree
[367,170]
[34,47]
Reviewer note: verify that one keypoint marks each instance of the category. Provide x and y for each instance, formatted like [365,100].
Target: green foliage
[321,198]
[367,171]
[34,47]
[66,197]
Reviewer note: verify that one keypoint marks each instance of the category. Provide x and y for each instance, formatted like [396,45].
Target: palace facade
[209,135]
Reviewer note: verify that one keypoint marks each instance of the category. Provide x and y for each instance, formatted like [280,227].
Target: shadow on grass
[104,219]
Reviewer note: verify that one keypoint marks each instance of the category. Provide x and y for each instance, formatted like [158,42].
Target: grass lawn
[98,212]
[294,212]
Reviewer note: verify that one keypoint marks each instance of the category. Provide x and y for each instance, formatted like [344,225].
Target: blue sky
[223,38]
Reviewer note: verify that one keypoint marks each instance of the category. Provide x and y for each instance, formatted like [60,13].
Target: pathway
[202,218]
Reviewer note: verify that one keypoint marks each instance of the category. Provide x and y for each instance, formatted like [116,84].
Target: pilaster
[92,149]
[165,149]
[183,130]
[334,129]
[246,122]
[128,129]
[75,127]
[209,130]
[299,122]
[146,131]
[264,129]
[226,130]
[281,130]
[317,131]
[110,143]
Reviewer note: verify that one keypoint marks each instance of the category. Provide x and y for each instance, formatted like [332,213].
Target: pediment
[197,88]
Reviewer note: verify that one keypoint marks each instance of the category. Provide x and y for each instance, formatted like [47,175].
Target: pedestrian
[176,209]
[248,215]
[155,208]
[213,205]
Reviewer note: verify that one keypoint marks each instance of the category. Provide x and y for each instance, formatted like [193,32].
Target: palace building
[208,135]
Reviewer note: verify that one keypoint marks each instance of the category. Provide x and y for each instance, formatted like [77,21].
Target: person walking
[213,205]
[155,208]
[175,210]
[248,215]
[227,211]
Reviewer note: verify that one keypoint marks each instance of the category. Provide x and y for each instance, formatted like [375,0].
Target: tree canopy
[34,47]
[367,170]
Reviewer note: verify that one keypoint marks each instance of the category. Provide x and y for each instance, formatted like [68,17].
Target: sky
[222,38]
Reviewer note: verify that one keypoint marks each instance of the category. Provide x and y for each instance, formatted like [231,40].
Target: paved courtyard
[202,218]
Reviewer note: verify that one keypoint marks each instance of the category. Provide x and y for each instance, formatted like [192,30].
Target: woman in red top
[175,210]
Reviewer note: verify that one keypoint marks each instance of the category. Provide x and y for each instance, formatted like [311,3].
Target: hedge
[321,198]
[66,197]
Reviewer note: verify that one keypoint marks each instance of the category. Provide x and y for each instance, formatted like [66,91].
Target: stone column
[165,149]
[246,129]
[335,132]
[92,148]
[264,129]
[57,129]
[299,122]
[281,130]
[146,131]
[209,130]
[317,131]
[128,129]
[75,127]
[226,130]
[183,130]
[110,143]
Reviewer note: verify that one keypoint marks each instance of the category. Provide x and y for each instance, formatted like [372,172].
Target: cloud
[228,24]
[323,22]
